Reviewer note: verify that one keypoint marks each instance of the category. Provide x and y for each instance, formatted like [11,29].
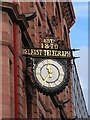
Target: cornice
[68,13]
[12,11]
[8,45]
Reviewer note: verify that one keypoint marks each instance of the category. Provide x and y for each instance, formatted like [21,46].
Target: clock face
[49,73]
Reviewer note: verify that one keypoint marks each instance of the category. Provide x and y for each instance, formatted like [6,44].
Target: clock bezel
[51,90]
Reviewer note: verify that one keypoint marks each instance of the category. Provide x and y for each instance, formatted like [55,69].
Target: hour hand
[49,69]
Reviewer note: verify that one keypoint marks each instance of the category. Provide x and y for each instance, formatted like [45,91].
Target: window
[66,37]
[39,24]
[11,89]
[29,106]
[58,10]
[28,93]
[41,3]
[11,32]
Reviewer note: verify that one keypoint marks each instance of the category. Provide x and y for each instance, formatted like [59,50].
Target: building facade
[79,105]
[24,24]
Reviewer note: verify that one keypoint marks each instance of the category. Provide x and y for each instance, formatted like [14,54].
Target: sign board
[53,53]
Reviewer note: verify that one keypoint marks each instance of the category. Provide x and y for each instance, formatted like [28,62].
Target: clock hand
[48,76]
[49,69]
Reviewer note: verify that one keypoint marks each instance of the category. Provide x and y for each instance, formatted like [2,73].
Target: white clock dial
[49,73]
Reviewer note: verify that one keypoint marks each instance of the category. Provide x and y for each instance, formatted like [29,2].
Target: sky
[79,39]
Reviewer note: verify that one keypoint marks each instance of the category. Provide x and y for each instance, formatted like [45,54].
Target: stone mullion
[20,90]
[35,110]
[44,22]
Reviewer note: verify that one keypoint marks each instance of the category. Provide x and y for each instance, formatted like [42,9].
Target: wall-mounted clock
[50,76]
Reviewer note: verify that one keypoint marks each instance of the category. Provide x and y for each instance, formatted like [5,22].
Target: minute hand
[48,76]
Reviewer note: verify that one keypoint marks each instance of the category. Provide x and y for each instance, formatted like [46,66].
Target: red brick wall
[41,104]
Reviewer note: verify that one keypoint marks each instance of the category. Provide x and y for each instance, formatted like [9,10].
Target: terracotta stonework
[31,103]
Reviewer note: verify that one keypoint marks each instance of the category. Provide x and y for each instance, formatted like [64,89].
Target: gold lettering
[56,46]
[47,40]
[51,46]
[56,53]
[59,53]
[68,53]
[48,52]
[44,40]
[32,51]
[40,52]
[53,53]
[44,51]
[46,46]
[37,52]
[63,54]
[42,45]
[51,40]
[24,51]
[28,50]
